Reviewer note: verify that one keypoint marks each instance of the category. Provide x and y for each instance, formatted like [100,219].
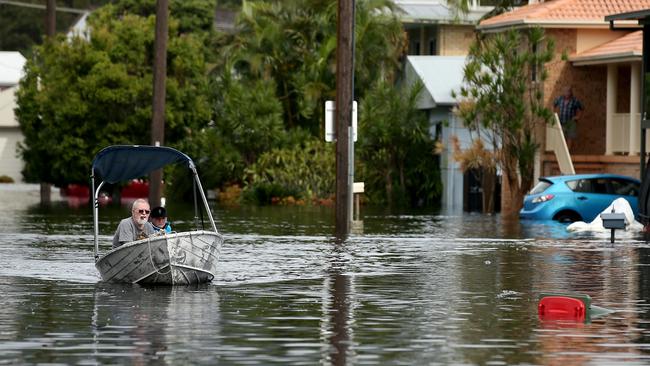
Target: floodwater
[416,288]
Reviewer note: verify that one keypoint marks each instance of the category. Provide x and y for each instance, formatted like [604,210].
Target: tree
[293,42]
[79,96]
[503,88]
[22,25]
[396,150]
[462,7]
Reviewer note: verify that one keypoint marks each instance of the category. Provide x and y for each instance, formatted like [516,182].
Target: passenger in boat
[135,227]
[159,220]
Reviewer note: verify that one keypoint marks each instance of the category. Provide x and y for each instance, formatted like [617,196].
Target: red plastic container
[562,308]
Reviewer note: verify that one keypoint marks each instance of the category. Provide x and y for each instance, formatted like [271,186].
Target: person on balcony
[569,110]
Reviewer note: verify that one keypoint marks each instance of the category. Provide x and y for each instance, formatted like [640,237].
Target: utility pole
[50,18]
[159,76]
[50,31]
[344,98]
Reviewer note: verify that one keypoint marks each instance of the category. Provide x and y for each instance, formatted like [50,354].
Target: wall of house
[590,38]
[10,165]
[589,85]
[454,40]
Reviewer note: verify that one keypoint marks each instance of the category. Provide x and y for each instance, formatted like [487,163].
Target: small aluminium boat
[169,259]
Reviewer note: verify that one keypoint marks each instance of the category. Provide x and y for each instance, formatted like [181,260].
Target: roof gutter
[523,23]
[621,57]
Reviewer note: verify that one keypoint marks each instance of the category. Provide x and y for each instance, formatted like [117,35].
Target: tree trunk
[488,182]
[512,198]
[46,193]
[389,188]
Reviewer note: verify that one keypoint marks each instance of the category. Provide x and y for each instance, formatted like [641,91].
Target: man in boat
[159,220]
[135,227]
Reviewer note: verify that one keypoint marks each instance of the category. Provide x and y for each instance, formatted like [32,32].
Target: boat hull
[174,259]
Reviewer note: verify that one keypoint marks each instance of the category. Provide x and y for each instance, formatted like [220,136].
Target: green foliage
[194,16]
[304,171]
[248,107]
[249,115]
[293,42]
[463,7]
[23,27]
[246,123]
[6,179]
[503,103]
[79,96]
[395,148]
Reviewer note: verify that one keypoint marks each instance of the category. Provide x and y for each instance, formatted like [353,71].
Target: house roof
[437,11]
[626,48]
[563,13]
[440,75]
[11,67]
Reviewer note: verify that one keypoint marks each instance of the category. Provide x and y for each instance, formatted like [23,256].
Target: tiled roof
[628,47]
[564,13]
[421,11]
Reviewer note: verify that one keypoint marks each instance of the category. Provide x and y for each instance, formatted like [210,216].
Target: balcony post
[612,81]
[635,107]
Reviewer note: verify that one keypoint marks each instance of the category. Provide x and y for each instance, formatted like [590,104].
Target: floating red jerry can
[562,308]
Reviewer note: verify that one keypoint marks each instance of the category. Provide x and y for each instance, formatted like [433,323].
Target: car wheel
[567,216]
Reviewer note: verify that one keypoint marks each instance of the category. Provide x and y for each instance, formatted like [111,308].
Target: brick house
[604,68]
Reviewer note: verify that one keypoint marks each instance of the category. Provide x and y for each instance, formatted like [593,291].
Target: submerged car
[580,197]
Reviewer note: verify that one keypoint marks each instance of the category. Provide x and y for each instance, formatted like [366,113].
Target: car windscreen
[541,186]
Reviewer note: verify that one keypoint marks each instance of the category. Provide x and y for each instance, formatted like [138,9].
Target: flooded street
[414,288]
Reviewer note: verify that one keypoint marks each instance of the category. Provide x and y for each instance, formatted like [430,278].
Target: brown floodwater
[407,288]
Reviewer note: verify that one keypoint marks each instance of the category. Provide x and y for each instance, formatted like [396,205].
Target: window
[414,48]
[624,187]
[432,47]
[599,185]
[581,185]
[540,187]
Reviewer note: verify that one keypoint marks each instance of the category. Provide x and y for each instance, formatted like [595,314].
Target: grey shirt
[128,231]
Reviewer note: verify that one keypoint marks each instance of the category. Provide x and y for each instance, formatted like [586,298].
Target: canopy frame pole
[205,200]
[95,213]
[196,205]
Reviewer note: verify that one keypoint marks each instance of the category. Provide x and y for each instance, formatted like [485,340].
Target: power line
[43,7]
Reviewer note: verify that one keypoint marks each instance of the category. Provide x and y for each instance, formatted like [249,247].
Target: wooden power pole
[159,77]
[50,18]
[50,31]
[344,97]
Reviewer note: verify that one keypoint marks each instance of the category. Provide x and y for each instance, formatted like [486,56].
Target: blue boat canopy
[125,162]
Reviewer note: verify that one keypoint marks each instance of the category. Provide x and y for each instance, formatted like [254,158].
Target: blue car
[580,197]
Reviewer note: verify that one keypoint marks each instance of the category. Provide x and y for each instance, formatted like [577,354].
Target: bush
[6,179]
[304,171]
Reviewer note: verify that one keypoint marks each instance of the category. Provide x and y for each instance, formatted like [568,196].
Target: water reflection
[337,308]
[165,325]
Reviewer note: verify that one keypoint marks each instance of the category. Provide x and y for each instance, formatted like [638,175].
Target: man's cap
[159,212]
